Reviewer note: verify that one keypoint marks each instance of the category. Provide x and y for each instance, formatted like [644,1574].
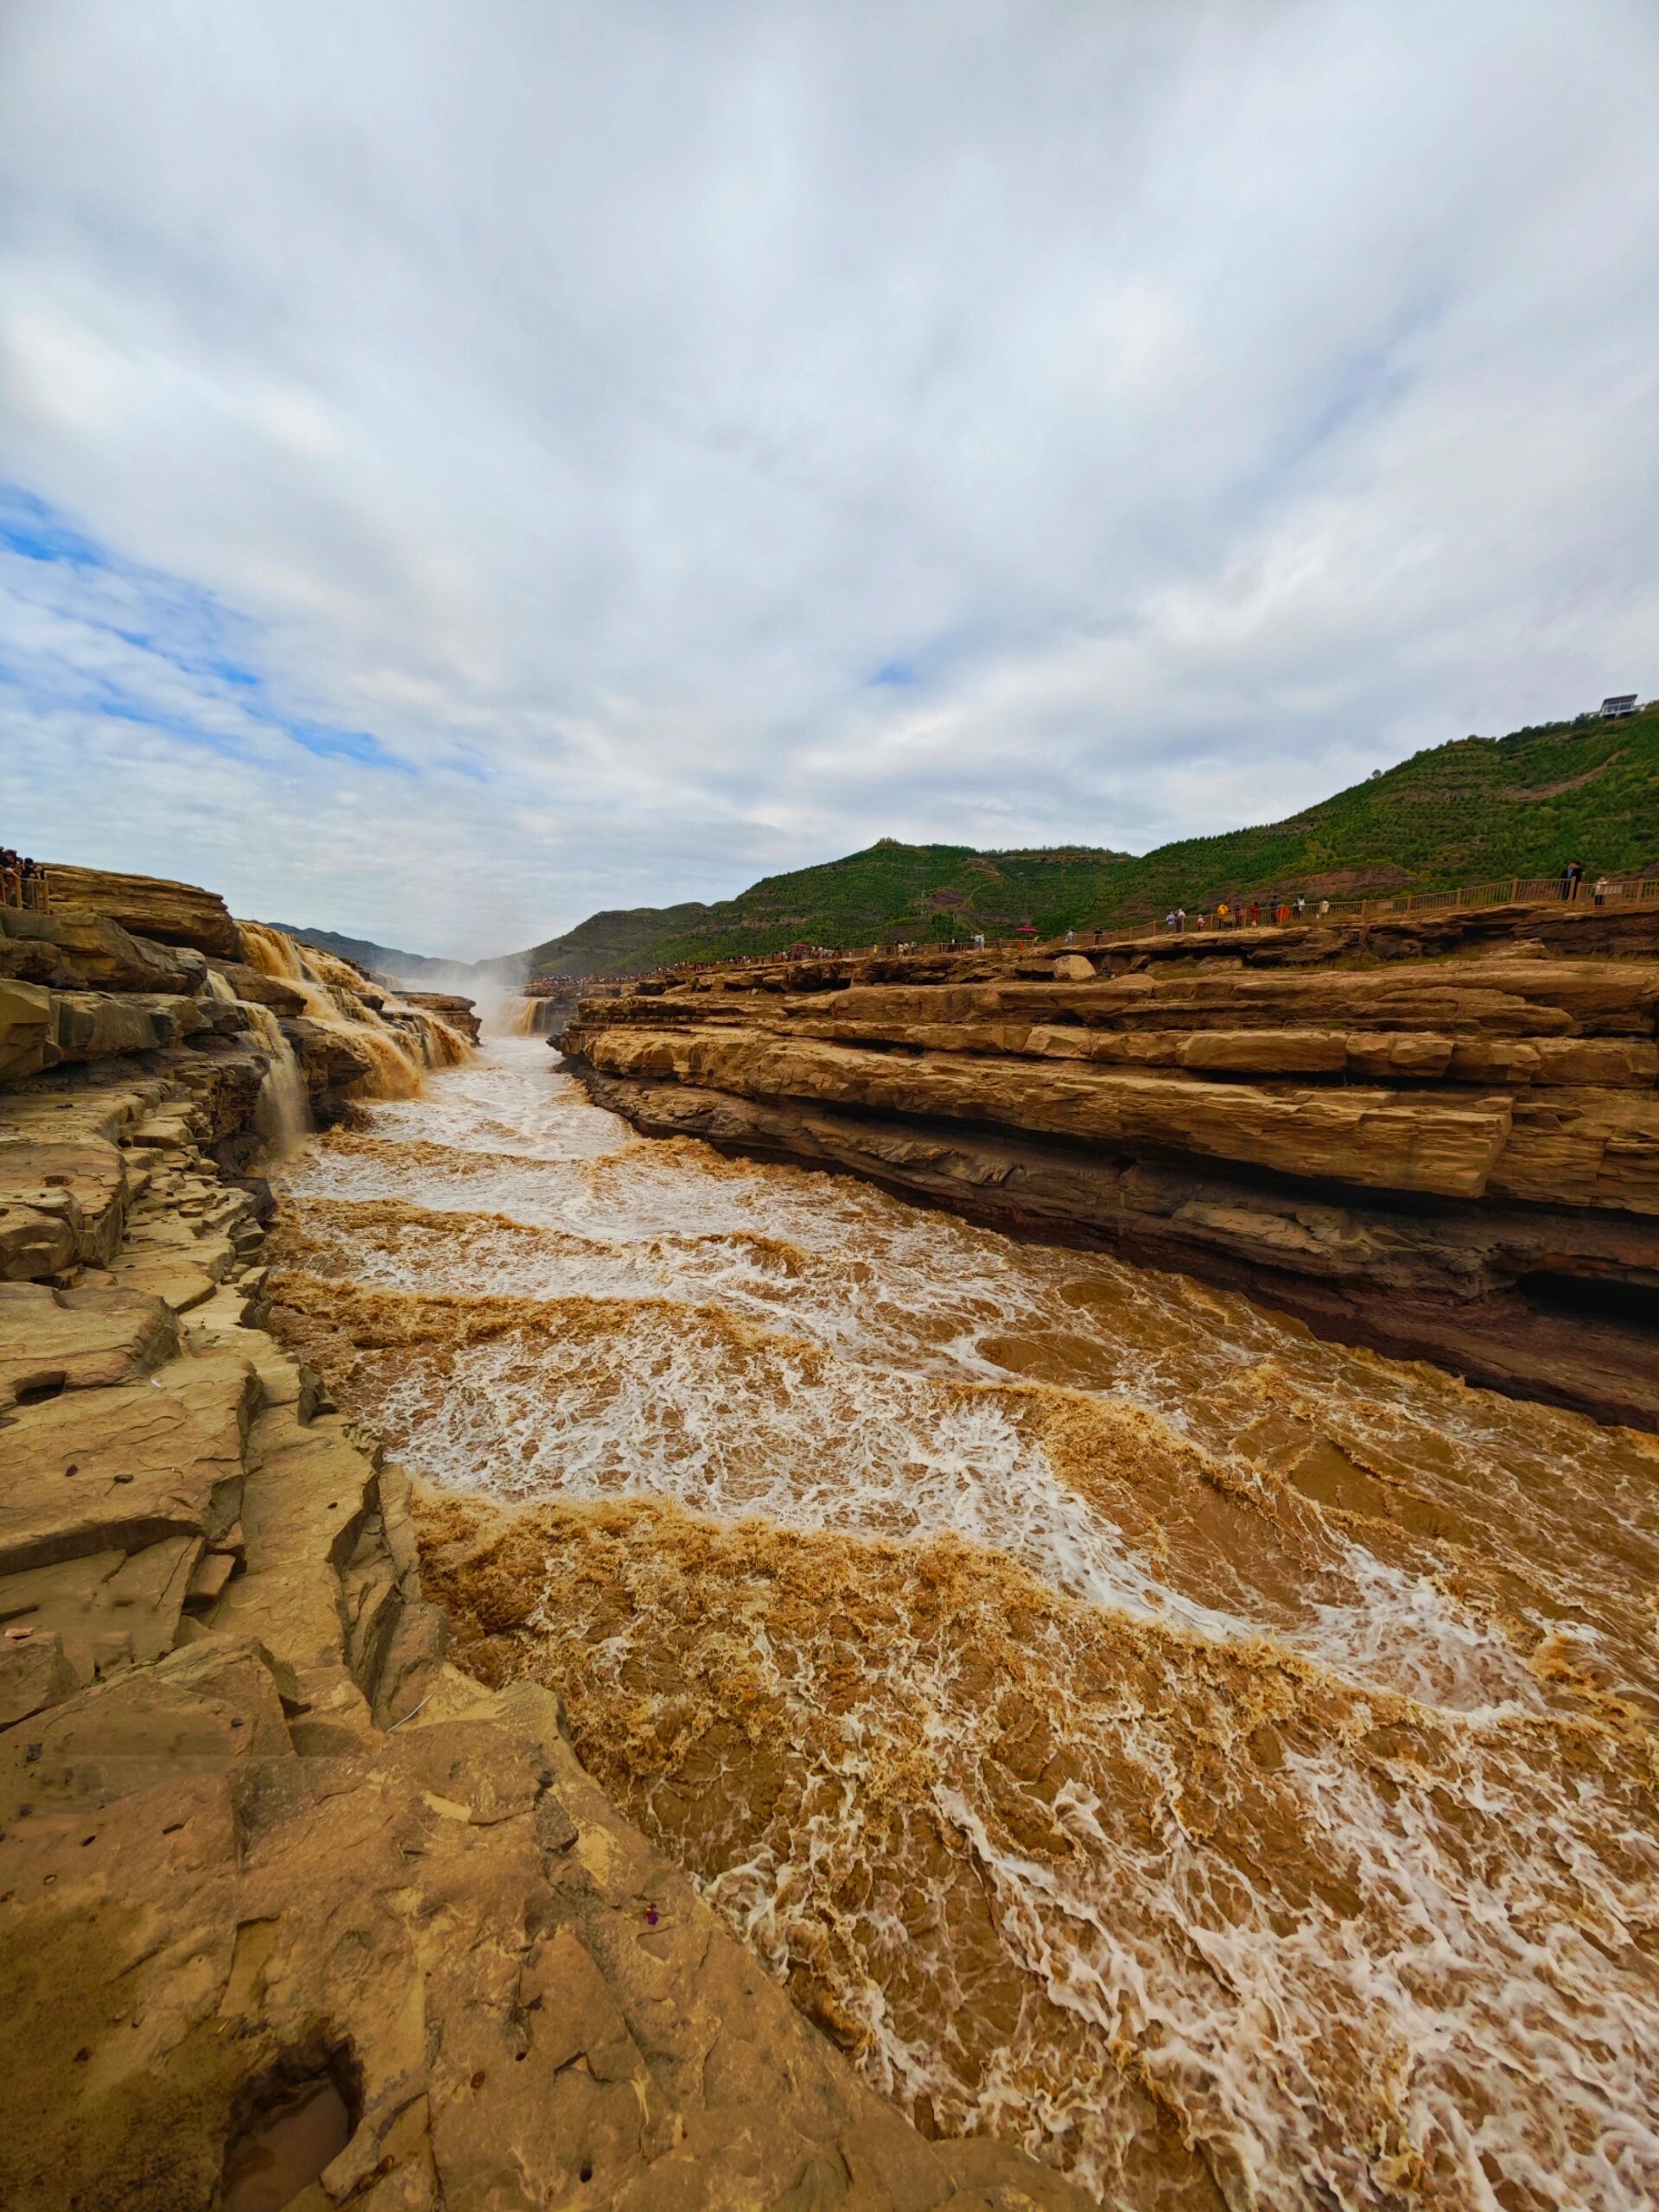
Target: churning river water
[1220,1760]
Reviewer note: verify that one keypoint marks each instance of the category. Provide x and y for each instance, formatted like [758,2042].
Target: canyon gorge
[1005,1580]
[293,1911]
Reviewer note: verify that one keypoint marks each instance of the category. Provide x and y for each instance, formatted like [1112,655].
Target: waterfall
[282,1112]
[402,1041]
[445,1045]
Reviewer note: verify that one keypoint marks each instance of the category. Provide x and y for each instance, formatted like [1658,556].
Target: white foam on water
[1475,1982]
[890,1293]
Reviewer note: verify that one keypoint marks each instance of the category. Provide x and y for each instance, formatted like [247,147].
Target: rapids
[1221,1760]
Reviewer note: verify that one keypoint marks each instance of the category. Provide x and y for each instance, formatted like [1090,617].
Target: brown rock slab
[460,1014]
[208,1708]
[52,1341]
[61,1202]
[175,1278]
[309,1492]
[1378,1139]
[94,1025]
[255,988]
[25,1030]
[104,1113]
[84,951]
[34,1672]
[127,1467]
[176,913]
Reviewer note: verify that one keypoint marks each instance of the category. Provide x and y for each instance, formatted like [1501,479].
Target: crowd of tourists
[1244,915]
[758,959]
[22,882]
[1279,910]
[1240,913]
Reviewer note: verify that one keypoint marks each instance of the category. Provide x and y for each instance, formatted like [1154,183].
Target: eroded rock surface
[457,1012]
[176,913]
[1443,1145]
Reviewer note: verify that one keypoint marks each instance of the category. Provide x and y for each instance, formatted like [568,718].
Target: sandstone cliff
[174,914]
[1439,1139]
[292,1911]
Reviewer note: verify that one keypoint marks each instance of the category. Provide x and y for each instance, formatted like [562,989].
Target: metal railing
[1504,891]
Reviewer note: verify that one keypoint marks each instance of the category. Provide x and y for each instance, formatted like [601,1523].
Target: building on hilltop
[1622,703]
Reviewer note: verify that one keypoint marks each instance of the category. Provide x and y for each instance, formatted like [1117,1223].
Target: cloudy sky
[462,465]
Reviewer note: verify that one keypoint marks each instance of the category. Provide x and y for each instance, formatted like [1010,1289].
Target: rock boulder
[176,913]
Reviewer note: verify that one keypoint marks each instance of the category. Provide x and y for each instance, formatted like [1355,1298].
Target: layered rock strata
[174,914]
[293,1911]
[457,1013]
[1447,1153]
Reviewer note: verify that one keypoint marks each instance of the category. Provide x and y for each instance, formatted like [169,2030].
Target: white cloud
[695,442]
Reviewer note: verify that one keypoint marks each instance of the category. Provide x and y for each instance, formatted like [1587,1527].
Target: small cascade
[397,1059]
[445,1047]
[531,1018]
[282,1110]
[279,956]
[401,1041]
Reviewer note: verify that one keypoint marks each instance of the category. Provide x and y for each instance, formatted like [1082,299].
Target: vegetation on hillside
[1462,813]
[891,890]
[618,941]
[1473,811]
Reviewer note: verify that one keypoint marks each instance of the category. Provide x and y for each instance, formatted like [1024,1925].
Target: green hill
[384,959]
[1463,813]
[617,941]
[1469,812]
[890,891]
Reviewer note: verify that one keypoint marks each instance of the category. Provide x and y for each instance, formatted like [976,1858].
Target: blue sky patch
[86,629]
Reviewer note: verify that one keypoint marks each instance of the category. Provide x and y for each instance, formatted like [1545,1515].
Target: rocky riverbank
[1439,1139]
[293,1911]
[1216,1760]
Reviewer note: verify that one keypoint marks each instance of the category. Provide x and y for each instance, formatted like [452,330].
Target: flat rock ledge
[1444,1145]
[293,1911]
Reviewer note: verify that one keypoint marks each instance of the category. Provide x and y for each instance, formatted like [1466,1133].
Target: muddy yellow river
[1219,1760]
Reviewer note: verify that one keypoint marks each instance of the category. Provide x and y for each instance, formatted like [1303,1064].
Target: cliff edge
[1436,1137]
